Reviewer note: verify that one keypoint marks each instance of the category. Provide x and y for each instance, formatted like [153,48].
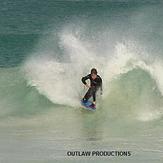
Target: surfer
[95,84]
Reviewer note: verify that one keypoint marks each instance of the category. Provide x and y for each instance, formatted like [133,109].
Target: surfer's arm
[101,89]
[84,80]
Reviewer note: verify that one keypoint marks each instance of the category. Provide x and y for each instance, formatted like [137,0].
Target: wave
[59,79]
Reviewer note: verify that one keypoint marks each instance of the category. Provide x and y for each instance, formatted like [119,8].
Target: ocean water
[45,49]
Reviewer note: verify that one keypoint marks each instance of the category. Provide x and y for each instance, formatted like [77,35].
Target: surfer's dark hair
[93,71]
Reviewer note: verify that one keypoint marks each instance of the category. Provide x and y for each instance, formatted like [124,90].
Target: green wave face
[134,95]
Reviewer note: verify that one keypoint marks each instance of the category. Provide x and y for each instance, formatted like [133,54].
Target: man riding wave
[95,84]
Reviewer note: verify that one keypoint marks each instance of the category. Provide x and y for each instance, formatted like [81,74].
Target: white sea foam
[60,81]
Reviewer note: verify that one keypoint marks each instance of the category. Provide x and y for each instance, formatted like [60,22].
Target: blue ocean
[46,47]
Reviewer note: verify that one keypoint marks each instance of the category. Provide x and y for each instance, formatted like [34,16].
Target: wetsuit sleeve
[85,78]
[101,85]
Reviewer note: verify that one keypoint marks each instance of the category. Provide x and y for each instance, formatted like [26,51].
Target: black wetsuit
[95,85]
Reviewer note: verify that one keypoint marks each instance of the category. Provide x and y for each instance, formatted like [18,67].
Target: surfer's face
[94,76]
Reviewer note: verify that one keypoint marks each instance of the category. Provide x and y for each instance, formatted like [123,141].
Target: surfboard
[88,105]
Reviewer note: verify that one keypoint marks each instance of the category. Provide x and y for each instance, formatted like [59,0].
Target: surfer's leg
[87,95]
[94,96]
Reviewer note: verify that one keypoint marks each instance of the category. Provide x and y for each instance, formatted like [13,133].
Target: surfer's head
[93,73]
